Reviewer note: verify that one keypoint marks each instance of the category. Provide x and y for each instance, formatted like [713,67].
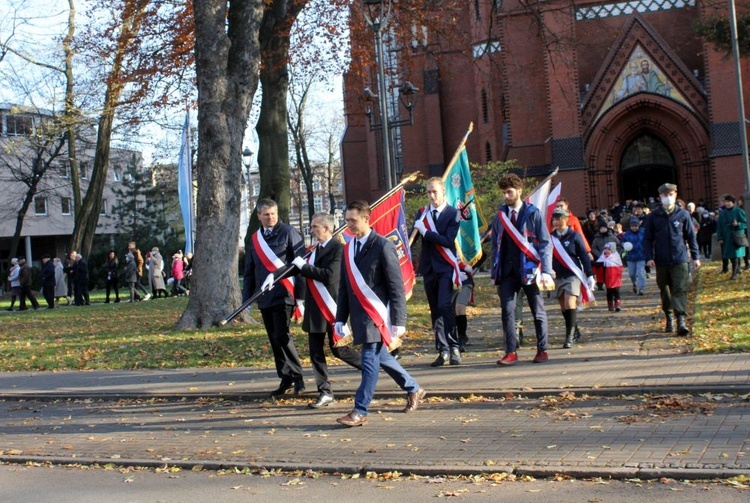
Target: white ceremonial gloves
[469,270]
[419,225]
[592,282]
[463,276]
[301,307]
[341,329]
[547,282]
[298,262]
[267,284]
[397,331]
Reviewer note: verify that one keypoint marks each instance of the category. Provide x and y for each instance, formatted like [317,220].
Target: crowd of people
[68,279]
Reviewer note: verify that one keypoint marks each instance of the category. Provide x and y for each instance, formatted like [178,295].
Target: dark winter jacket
[637,254]
[665,237]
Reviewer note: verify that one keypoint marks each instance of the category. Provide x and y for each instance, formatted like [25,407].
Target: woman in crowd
[731,233]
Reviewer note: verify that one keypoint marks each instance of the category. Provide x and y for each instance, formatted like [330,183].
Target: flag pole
[288,268]
[461,146]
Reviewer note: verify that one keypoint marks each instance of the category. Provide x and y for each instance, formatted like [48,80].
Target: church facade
[620,96]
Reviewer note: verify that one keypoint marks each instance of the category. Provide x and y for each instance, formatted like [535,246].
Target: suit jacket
[378,263]
[327,270]
[533,228]
[286,243]
[430,260]
[48,274]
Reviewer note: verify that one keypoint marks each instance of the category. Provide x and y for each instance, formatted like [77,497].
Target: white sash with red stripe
[374,307]
[321,295]
[521,242]
[271,262]
[587,295]
[444,251]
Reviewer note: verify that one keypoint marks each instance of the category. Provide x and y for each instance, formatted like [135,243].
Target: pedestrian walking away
[371,296]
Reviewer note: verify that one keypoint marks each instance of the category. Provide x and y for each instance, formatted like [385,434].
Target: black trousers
[276,319]
[26,293]
[316,343]
[49,295]
[113,284]
[439,290]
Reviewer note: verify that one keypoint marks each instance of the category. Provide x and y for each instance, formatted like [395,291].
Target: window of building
[487,47]
[64,170]
[316,184]
[488,152]
[116,173]
[485,107]
[65,206]
[255,188]
[40,205]
[104,207]
[83,170]
[19,125]
[647,149]
[318,203]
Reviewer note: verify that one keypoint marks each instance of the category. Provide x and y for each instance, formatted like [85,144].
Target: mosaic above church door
[642,75]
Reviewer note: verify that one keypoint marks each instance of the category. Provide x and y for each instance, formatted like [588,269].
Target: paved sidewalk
[583,413]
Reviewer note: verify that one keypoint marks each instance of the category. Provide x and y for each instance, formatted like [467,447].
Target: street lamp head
[376,13]
[408,88]
[247,153]
[369,95]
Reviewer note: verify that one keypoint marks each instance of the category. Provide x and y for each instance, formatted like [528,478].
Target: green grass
[141,335]
[722,311]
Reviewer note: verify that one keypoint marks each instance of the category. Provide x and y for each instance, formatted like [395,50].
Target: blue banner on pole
[185,185]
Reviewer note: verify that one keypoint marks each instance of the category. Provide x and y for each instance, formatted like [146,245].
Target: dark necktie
[434,215]
[357,246]
[513,217]
[267,232]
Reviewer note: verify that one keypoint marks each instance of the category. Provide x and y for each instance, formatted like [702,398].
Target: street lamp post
[377,13]
[740,101]
[247,156]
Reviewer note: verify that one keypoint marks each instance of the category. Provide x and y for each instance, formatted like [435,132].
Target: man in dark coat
[274,245]
[81,281]
[48,281]
[24,277]
[371,296]
[322,272]
[667,233]
[438,224]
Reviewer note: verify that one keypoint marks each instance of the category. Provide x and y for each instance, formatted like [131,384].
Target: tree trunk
[227,57]
[87,218]
[71,114]
[273,151]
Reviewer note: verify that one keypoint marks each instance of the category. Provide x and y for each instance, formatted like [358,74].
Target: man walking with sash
[371,296]
[322,271]
[274,245]
[521,259]
[438,224]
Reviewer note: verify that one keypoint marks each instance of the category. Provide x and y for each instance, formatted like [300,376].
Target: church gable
[640,62]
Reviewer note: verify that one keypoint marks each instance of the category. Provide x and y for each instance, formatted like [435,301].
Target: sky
[41,33]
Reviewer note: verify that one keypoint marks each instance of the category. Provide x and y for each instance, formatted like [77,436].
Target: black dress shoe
[440,360]
[299,387]
[284,386]
[323,400]
[455,356]
[354,418]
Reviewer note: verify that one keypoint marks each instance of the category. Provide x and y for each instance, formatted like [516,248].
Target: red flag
[389,220]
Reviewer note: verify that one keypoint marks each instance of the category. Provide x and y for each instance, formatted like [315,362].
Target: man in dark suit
[48,281]
[521,260]
[322,272]
[438,225]
[371,295]
[81,281]
[274,245]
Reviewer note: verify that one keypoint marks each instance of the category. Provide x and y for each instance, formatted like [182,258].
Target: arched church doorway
[646,163]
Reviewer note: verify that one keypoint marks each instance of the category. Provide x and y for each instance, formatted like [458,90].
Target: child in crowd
[612,265]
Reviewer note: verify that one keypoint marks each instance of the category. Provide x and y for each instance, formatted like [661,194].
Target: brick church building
[621,96]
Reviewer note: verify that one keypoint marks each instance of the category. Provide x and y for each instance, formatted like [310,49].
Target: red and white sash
[444,251]
[271,262]
[322,297]
[519,239]
[562,256]
[374,307]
